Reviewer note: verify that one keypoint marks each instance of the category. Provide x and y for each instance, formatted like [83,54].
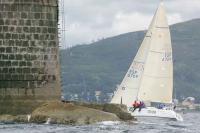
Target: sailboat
[150,76]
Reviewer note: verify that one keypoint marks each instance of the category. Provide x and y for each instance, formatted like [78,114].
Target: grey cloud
[96,17]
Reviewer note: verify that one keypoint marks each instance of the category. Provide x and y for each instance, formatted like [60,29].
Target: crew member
[141,105]
[135,105]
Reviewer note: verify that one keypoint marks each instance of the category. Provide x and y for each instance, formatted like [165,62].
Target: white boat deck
[154,112]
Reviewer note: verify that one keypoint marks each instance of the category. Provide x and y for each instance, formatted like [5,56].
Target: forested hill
[102,65]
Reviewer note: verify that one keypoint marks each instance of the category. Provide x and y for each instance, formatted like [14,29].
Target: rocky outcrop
[69,113]
[7,118]
[72,113]
[118,109]
[13,119]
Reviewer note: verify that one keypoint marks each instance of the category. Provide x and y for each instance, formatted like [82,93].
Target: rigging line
[160,27]
[148,36]
[130,88]
[156,52]
[139,61]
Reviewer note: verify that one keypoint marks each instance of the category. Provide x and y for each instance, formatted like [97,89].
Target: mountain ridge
[103,64]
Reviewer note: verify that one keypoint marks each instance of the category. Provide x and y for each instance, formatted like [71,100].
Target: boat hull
[155,113]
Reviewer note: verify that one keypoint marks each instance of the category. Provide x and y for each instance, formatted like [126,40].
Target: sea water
[191,124]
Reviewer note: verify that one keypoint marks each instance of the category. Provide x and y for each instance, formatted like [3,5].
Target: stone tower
[29,54]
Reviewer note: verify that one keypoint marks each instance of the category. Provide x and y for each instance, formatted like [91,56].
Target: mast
[157,79]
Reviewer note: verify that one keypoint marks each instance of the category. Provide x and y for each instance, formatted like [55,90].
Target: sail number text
[133,73]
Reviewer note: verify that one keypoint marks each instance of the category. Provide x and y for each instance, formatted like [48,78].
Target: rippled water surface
[191,124]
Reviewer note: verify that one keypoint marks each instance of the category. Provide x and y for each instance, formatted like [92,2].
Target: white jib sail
[157,79]
[127,91]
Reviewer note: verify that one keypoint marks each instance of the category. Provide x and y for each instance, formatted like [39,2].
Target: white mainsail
[157,79]
[127,91]
[149,77]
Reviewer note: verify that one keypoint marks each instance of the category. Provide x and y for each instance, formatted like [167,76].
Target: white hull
[156,113]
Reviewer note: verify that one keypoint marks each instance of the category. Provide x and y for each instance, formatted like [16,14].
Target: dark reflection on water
[191,124]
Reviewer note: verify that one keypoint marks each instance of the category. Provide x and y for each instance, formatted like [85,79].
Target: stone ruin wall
[29,51]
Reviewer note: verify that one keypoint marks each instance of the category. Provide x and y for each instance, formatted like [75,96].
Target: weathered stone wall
[29,58]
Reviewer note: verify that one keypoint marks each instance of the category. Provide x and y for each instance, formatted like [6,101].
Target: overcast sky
[89,20]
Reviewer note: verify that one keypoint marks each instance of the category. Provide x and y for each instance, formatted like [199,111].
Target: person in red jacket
[136,105]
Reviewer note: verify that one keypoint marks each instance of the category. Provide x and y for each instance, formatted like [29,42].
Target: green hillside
[102,65]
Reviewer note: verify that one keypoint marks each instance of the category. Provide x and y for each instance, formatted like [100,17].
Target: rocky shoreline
[72,113]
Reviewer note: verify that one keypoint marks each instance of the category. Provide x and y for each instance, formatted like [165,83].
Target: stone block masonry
[29,53]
